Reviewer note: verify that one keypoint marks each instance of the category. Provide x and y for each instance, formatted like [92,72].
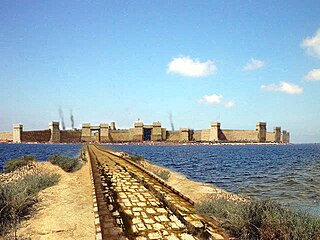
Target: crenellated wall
[140,132]
[119,135]
[70,136]
[36,136]
[238,135]
[196,135]
[270,137]
[173,136]
[205,135]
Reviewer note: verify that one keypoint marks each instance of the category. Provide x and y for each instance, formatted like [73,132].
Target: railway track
[132,203]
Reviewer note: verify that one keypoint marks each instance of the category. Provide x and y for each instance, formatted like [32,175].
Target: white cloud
[313,75]
[312,44]
[285,87]
[253,64]
[212,99]
[186,66]
[230,104]
[216,99]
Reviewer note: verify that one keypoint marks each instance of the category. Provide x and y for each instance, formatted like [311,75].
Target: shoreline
[195,190]
[45,222]
[155,143]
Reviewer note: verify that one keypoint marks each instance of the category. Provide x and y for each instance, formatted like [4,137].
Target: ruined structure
[104,133]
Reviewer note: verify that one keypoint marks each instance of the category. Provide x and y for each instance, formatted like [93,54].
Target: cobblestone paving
[143,207]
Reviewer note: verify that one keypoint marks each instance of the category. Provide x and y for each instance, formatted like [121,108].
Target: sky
[237,62]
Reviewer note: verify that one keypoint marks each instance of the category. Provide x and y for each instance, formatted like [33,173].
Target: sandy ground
[65,211]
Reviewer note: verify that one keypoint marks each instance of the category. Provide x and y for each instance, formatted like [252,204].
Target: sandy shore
[65,211]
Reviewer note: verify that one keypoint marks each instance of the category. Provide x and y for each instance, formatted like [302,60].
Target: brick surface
[142,209]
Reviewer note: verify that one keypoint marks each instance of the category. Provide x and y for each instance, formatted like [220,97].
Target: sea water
[285,173]
[41,151]
[289,174]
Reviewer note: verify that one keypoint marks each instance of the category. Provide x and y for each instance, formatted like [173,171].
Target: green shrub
[68,164]
[137,158]
[17,198]
[14,164]
[261,219]
[164,174]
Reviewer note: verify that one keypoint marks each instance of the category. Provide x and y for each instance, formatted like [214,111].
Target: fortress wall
[205,135]
[173,136]
[238,135]
[6,136]
[270,137]
[70,136]
[196,135]
[36,136]
[120,135]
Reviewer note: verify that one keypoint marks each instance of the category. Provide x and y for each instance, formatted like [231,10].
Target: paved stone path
[141,205]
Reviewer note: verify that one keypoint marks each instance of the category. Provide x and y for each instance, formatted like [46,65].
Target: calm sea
[41,151]
[286,173]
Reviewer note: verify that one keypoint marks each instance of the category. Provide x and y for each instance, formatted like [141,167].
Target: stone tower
[277,134]
[17,132]
[184,135]
[156,132]
[55,132]
[86,132]
[261,128]
[104,132]
[214,131]
[285,138]
[113,126]
[137,131]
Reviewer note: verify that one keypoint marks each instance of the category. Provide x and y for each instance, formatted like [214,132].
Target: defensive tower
[261,128]
[17,132]
[214,131]
[55,132]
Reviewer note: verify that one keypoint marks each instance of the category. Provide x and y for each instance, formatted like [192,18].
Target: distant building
[105,133]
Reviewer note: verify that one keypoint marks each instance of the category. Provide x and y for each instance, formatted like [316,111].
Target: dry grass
[14,164]
[17,198]
[68,164]
[257,219]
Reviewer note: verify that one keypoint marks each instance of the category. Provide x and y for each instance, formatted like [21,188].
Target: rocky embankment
[30,169]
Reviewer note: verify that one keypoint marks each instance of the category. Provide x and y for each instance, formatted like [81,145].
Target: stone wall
[36,136]
[196,135]
[205,135]
[238,135]
[70,136]
[270,137]
[140,131]
[173,136]
[120,135]
[6,136]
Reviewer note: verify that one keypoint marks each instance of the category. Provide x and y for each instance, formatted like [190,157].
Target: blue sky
[237,62]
